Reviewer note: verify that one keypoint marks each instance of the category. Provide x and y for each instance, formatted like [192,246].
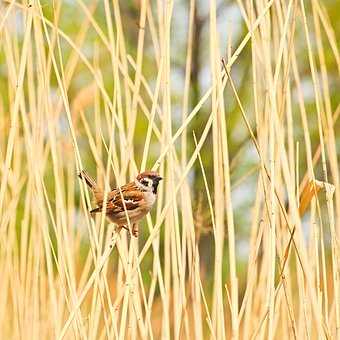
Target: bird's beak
[159,178]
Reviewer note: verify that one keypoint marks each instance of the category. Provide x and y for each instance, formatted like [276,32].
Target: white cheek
[140,185]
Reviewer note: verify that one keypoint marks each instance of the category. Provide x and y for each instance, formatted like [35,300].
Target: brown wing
[129,197]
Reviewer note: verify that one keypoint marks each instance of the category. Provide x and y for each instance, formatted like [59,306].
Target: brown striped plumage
[129,203]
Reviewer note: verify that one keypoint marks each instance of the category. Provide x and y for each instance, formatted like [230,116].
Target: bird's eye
[145,182]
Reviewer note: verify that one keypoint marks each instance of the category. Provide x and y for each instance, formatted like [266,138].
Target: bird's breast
[149,199]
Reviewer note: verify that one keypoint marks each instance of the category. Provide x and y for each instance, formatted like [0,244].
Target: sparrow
[134,199]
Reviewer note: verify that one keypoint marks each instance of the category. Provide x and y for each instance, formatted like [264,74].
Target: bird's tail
[97,191]
[88,179]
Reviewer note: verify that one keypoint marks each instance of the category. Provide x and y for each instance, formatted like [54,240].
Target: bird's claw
[134,230]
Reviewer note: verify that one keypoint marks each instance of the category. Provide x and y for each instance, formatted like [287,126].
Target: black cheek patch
[154,187]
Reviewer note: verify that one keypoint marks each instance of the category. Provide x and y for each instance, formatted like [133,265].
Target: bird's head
[148,181]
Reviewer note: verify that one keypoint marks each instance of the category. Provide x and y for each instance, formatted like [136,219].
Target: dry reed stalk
[65,276]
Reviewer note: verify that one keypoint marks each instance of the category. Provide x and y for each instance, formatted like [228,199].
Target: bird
[128,203]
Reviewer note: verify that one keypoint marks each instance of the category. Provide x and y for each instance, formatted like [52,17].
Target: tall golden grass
[65,275]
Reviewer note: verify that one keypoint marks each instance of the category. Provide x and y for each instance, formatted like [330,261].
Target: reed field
[235,103]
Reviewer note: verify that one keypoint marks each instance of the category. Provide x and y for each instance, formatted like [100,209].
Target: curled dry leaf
[310,190]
